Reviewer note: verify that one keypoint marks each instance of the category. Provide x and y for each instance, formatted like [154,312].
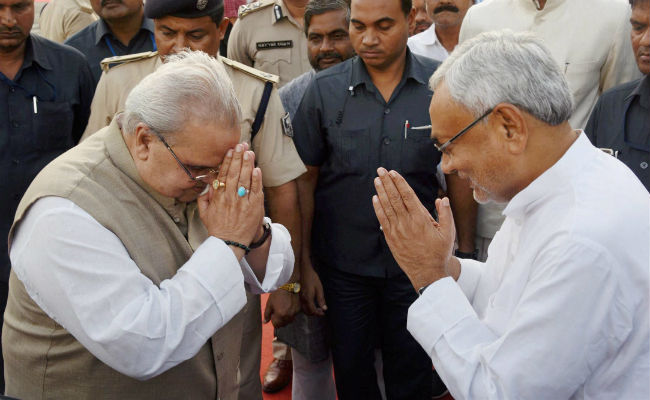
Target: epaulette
[246,9]
[255,73]
[125,59]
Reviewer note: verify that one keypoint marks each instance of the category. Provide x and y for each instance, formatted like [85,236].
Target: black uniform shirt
[43,112]
[97,42]
[344,126]
[620,121]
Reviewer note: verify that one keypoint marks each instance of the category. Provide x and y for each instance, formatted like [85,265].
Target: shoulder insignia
[246,9]
[110,62]
[255,73]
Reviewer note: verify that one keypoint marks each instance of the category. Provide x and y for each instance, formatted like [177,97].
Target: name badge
[275,44]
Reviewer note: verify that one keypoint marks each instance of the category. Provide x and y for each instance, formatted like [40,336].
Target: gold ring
[218,184]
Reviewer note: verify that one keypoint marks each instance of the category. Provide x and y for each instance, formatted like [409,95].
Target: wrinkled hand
[421,246]
[226,215]
[281,308]
[312,295]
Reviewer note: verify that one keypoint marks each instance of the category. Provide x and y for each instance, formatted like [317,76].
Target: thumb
[445,217]
[268,310]
[202,202]
[320,299]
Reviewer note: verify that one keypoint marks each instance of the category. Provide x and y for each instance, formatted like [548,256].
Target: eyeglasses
[197,179]
[442,147]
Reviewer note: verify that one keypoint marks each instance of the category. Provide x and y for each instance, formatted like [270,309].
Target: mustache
[329,54]
[15,29]
[445,7]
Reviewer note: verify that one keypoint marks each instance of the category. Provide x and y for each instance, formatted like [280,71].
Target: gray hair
[189,86]
[318,7]
[506,67]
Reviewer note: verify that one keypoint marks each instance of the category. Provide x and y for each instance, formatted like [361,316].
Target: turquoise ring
[242,191]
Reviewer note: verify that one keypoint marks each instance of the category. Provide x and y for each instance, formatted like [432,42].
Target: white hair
[506,67]
[189,86]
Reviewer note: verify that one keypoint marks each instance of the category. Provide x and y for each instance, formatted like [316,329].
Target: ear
[509,121]
[410,19]
[142,141]
[223,26]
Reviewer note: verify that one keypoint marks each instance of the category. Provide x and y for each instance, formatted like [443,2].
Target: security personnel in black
[620,126]
[355,117]
[45,94]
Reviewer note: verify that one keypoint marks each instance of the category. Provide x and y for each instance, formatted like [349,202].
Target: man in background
[328,44]
[440,39]
[620,122]
[354,117]
[269,36]
[421,19]
[121,29]
[61,19]
[45,92]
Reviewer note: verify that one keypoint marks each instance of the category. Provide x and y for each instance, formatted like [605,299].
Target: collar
[642,91]
[553,180]
[550,5]
[429,36]
[119,153]
[412,70]
[35,51]
[102,29]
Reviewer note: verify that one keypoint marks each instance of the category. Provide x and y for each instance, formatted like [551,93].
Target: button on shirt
[560,308]
[426,44]
[97,42]
[43,112]
[345,127]
[621,122]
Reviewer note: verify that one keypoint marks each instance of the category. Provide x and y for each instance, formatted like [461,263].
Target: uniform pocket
[53,125]
[419,155]
[351,150]
[272,60]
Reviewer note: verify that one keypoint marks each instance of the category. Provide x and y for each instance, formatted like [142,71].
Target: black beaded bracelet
[461,254]
[237,244]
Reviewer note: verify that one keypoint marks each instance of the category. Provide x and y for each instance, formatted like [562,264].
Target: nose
[645,39]
[7,17]
[446,164]
[180,43]
[327,45]
[369,38]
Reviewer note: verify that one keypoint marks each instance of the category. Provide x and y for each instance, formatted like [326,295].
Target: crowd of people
[442,197]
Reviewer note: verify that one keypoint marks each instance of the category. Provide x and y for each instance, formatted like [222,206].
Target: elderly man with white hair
[131,252]
[560,308]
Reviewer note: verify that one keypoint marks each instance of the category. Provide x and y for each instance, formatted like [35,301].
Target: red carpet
[267,357]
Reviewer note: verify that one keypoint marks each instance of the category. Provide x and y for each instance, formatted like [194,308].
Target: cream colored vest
[42,360]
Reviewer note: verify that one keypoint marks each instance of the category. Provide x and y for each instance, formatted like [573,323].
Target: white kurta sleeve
[81,275]
[569,317]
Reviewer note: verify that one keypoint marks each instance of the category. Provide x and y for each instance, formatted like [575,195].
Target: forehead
[328,21]
[446,114]
[184,24]
[640,12]
[205,141]
[9,3]
[371,11]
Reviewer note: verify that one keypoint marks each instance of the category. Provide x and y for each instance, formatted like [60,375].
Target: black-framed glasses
[199,178]
[442,147]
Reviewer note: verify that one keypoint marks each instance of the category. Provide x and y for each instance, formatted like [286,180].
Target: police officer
[61,19]
[269,36]
[198,24]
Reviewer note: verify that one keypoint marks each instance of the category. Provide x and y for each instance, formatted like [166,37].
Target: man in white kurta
[560,308]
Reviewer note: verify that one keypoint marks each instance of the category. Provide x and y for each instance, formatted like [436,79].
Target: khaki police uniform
[275,152]
[268,38]
[61,19]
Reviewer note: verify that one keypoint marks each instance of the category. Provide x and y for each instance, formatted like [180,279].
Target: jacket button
[219,356]
[386,141]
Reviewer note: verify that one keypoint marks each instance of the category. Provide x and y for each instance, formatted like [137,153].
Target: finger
[268,310]
[445,217]
[381,215]
[248,163]
[384,201]
[202,202]
[232,178]
[256,182]
[225,166]
[320,299]
[393,194]
[405,191]
[310,304]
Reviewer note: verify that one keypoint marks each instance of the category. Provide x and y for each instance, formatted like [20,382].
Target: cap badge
[200,4]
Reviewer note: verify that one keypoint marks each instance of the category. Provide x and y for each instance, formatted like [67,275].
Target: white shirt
[427,44]
[81,275]
[560,308]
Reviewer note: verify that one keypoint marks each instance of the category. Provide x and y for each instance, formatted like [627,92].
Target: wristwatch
[291,287]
